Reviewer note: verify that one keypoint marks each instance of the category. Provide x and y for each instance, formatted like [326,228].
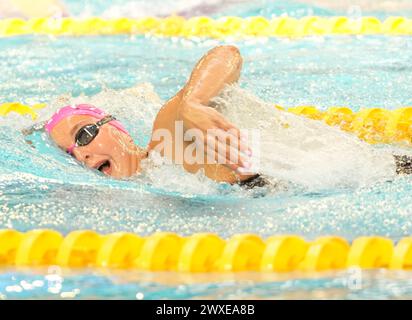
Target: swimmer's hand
[222,141]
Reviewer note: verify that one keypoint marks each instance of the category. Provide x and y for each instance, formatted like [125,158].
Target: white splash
[304,151]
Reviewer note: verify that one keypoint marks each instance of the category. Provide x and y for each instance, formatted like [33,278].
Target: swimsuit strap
[403,164]
[254,181]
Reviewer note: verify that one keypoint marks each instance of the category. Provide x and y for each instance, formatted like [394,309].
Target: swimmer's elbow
[231,56]
[229,50]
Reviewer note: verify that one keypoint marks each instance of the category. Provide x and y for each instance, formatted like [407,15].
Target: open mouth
[105,167]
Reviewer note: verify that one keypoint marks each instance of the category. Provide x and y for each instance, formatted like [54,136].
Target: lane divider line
[200,252]
[176,26]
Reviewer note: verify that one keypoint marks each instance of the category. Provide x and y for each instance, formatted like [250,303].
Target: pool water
[41,187]
[242,8]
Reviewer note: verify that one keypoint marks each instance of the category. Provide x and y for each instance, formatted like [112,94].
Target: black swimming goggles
[88,133]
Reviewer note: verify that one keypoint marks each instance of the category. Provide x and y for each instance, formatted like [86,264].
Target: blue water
[190,8]
[42,187]
[243,8]
[38,284]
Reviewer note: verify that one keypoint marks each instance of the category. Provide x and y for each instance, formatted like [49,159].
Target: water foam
[305,151]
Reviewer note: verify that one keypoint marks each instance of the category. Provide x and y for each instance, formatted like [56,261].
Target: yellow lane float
[200,253]
[38,248]
[20,108]
[176,26]
[79,248]
[373,125]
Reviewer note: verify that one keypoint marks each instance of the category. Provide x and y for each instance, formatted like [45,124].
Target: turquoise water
[243,8]
[189,8]
[43,187]
[375,285]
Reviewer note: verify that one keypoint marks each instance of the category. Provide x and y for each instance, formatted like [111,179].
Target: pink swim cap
[80,109]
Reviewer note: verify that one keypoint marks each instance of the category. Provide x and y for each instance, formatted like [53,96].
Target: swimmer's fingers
[236,152]
[204,118]
[214,157]
[233,141]
[234,132]
[225,124]
[218,151]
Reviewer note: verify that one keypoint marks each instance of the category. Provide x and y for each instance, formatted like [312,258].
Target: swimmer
[102,143]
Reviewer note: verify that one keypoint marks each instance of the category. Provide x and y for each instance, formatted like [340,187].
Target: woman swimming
[190,132]
[99,141]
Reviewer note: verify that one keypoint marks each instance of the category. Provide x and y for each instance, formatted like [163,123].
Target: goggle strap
[105,120]
[71,148]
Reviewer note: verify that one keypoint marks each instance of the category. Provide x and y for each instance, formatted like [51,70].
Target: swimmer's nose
[83,156]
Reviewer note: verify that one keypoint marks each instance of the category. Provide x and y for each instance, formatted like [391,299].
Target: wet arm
[219,67]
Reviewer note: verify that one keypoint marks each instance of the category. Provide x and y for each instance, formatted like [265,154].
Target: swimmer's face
[112,152]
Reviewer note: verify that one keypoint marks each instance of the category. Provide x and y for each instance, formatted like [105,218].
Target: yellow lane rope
[20,108]
[176,26]
[202,252]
